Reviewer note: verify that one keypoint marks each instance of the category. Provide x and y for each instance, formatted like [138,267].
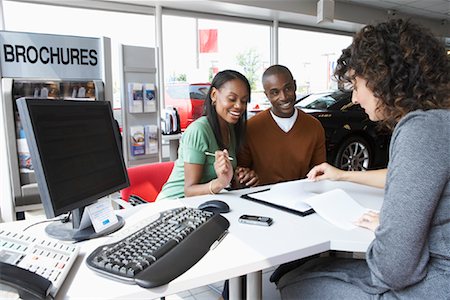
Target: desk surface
[246,249]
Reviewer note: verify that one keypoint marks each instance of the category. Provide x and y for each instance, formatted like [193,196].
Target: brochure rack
[77,69]
[140,108]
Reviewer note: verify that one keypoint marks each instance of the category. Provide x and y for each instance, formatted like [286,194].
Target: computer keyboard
[159,252]
[47,258]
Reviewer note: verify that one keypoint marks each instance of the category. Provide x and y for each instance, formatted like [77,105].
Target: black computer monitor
[76,154]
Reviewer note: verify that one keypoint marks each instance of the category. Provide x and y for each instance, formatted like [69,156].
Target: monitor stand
[70,231]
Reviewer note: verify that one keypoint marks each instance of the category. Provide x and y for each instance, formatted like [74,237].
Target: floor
[211,292]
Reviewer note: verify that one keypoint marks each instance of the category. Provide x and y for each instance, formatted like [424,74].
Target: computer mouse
[215,206]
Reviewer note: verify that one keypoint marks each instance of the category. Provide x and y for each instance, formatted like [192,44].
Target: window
[229,48]
[221,45]
[134,29]
[311,57]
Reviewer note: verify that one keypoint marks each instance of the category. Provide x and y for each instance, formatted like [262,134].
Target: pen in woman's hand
[212,154]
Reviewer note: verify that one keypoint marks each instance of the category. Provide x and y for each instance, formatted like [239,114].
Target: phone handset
[28,284]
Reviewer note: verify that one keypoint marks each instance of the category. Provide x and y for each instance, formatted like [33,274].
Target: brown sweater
[278,156]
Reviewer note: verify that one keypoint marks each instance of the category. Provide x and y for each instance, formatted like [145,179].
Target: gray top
[410,256]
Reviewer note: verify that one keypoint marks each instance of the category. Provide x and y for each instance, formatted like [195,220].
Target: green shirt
[195,141]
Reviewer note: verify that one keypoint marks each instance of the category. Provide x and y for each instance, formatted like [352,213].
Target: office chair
[146,181]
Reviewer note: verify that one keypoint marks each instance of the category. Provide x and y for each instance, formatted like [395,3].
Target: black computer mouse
[215,206]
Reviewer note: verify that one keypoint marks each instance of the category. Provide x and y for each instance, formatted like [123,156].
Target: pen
[212,154]
[217,242]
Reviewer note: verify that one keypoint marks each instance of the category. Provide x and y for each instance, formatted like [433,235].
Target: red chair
[146,181]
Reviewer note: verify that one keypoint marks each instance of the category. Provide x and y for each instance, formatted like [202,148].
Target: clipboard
[277,206]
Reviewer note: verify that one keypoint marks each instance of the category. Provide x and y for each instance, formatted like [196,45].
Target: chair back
[146,181]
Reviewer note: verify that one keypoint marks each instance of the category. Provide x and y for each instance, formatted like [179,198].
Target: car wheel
[354,154]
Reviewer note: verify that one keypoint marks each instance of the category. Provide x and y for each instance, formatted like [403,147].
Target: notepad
[304,197]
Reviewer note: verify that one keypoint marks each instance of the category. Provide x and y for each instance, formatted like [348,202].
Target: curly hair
[405,66]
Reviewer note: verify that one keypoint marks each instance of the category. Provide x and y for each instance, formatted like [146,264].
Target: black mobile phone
[256,220]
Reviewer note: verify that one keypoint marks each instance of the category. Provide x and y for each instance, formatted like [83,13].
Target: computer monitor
[76,154]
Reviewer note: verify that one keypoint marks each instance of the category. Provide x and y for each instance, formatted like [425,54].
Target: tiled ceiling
[433,9]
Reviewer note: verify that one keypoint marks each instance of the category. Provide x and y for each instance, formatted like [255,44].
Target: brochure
[149,97]
[136,97]
[151,139]
[137,140]
[25,164]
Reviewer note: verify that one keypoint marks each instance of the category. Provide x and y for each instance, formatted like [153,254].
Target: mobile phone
[256,220]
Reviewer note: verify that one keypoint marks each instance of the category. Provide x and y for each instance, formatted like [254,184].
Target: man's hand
[246,177]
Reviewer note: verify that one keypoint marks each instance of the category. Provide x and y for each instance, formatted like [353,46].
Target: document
[337,207]
[304,197]
[289,194]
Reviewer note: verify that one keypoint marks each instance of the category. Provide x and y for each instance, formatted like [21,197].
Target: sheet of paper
[337,207]
[288,194]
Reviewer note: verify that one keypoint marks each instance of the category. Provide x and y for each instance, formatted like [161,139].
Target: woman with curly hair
[399,74]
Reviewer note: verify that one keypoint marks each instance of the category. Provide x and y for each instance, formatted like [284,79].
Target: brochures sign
[32,55]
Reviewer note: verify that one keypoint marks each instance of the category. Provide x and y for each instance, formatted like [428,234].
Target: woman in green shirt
[220,131]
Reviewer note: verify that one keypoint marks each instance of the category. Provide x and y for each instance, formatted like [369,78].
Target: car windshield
[322,100]
[198,92]
[317,101]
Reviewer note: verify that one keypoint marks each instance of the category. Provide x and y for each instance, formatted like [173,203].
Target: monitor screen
[76,152]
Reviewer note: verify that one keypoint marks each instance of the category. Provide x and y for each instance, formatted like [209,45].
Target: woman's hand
[369,220]
[223,168]
[324,171]
[246,177]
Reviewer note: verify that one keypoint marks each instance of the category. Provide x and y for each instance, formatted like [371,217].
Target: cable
[63,220]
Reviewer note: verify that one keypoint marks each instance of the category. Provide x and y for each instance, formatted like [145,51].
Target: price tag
[101,214]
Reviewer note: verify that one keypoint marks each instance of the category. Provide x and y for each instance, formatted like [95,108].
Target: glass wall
[311,56]
[121,28]
[194,49]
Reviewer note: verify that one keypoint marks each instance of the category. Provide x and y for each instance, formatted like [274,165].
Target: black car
[353,141]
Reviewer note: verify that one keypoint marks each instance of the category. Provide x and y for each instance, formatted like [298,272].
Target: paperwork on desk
[334,205]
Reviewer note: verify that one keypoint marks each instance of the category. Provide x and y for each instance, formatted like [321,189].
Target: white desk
[247,249]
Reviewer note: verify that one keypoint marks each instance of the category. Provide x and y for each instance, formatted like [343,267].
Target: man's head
[279,87]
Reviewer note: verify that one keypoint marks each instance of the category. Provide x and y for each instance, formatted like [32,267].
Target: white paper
[337,207]
[331,203]
[288,194]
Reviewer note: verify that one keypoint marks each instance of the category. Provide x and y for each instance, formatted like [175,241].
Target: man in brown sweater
[282,143]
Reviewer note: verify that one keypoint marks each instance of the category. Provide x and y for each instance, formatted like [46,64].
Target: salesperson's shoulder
[422,123]
[429,116]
